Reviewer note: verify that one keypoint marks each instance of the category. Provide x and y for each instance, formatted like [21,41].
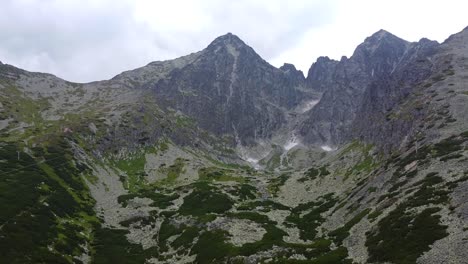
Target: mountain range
[220,157]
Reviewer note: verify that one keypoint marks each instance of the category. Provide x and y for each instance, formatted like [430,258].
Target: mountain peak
[288,67]
[226,39]
[381,35]
[381,39]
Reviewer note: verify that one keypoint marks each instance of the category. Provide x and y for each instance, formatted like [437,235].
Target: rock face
[344,83]
[229,90]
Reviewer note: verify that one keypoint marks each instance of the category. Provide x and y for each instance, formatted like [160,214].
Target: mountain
[219,157]
[244,95]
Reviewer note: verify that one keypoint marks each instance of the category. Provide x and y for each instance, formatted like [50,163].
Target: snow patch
[254,162]
[291,143]
[327,148]
[308,106]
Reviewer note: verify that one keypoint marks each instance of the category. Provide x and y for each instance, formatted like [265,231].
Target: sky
[90,40]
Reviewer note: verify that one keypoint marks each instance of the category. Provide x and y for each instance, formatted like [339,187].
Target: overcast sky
[88,40]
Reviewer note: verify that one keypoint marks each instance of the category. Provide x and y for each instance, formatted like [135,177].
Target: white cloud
[85,40]
[356,20]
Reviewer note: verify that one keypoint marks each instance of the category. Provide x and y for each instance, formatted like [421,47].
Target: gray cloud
[91,40]
[87,40]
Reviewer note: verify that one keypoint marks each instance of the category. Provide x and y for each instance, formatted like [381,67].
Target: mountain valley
[220,157]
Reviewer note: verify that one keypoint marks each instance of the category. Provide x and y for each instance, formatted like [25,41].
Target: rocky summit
[220,157]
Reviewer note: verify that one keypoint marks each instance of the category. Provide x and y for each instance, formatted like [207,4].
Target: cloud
[87,40]
[91,40]
[356,20]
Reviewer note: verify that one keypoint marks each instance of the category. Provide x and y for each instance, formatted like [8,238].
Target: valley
[219,157]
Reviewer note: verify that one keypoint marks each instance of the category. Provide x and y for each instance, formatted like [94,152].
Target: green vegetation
[247,192]
[47,213]
[307,217]
[267,205]
[274,162]
[445,147]
[218,174]
[111,246]
[204,200]
[341,233]
[186,239]
[273,236]
[372,216]
[159,199]
[166,231]
[252,216]
[173,173]
[276,183]
[336,256]
[212,248]
[134,168]
[399,228]
[417,231]
[312,173]
[367,161]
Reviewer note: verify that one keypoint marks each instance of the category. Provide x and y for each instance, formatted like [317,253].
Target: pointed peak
[382,32]
[381,38]
[228,38]
[380,35]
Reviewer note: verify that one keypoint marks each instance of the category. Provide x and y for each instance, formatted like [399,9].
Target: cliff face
[229,90]
[344,83]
